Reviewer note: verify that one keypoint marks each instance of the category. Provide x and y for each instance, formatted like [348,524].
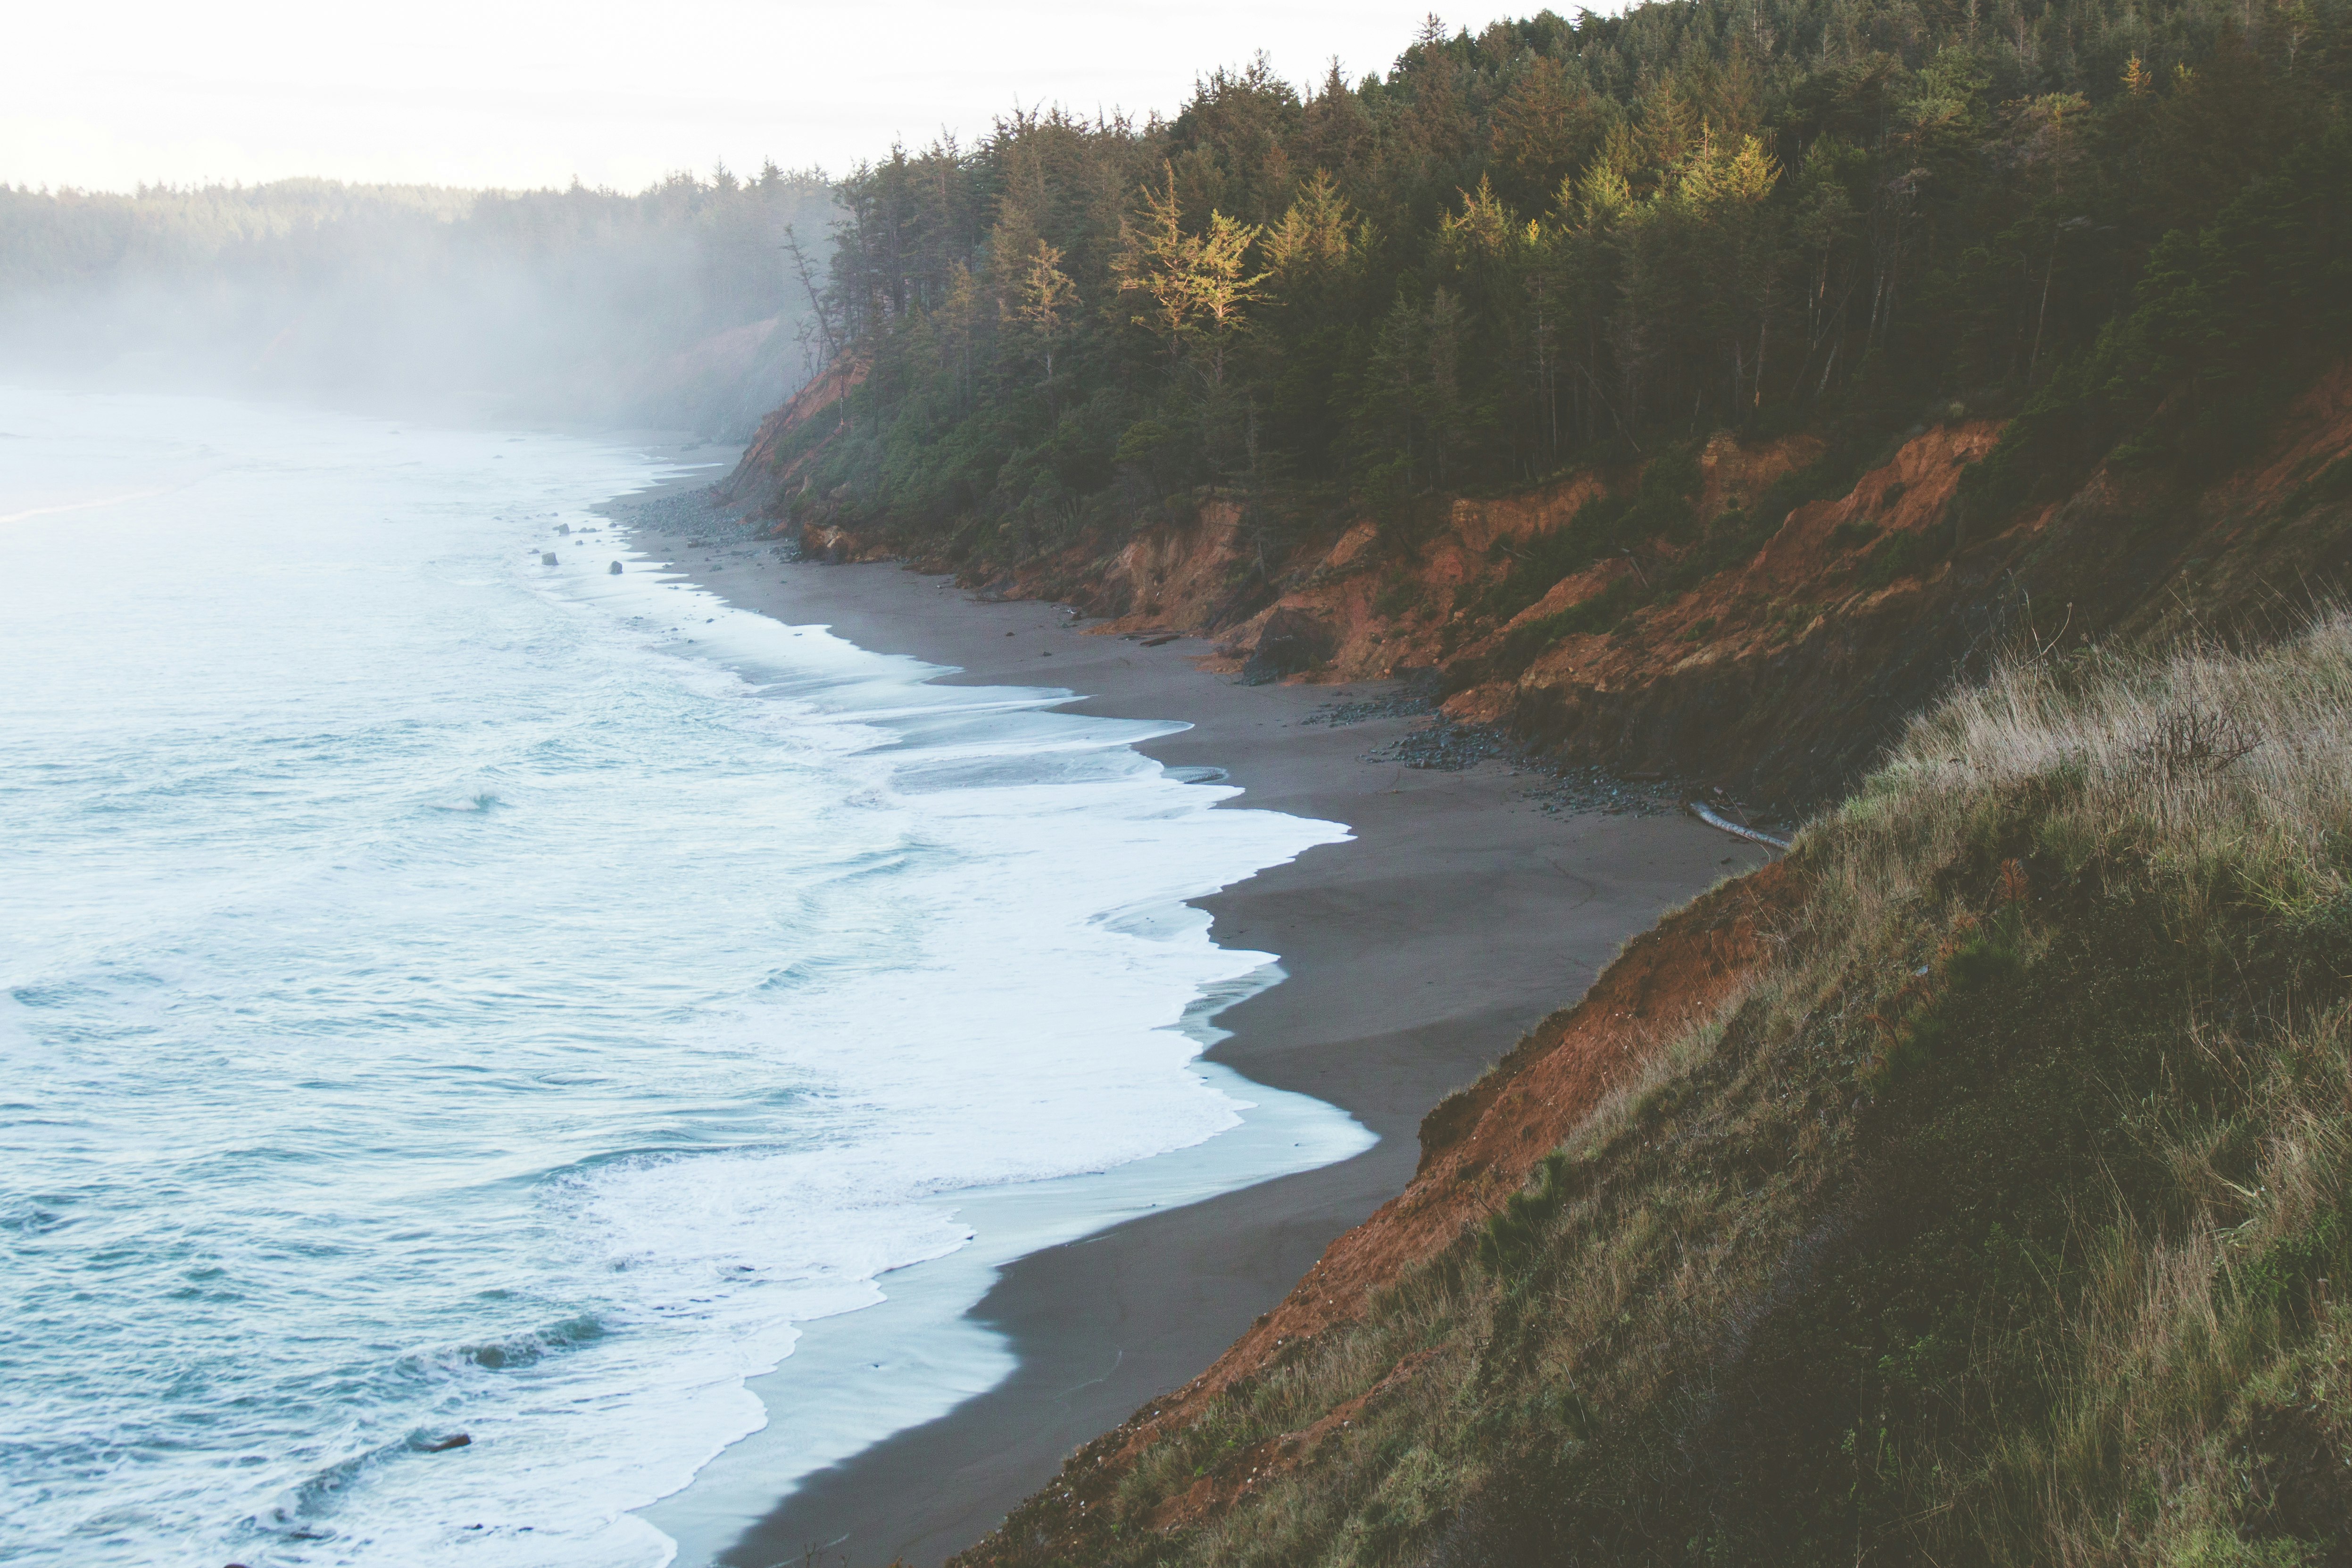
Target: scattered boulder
[615,569]
[563,528]
[1293,642]
[547,557]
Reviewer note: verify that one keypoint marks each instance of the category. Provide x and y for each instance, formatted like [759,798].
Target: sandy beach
[1416,954]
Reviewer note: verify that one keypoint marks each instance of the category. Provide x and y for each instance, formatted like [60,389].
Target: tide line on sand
[1461,914]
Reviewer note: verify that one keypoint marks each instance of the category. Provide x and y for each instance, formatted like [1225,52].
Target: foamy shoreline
[531,1023]
[1414,956]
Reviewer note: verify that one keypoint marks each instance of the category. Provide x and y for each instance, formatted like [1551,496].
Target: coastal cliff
[1730,1253]
[1690,394]
[1937,436]
[1802,605]
[1965,1187]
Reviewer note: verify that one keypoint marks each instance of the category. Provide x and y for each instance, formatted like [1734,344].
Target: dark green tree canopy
[1544,242]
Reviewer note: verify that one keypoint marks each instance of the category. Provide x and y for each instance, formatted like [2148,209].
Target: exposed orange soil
[2316,431]
[1175,576]
[1799,564]
[760,477]
[1478,1148]
[1784,665]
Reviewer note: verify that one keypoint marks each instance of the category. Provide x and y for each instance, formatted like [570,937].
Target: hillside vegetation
[1823,398]
[1552,242]
[1699,388]
[1991,1210]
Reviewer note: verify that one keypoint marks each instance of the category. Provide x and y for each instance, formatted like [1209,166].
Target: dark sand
[1416,954]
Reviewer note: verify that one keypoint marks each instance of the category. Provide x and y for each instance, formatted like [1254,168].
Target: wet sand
[1416,954]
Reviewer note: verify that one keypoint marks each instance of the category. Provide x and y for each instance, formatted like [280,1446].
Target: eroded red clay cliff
[1478,1148]
[1780,673]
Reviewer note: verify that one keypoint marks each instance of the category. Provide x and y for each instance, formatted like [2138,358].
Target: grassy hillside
[1999,1210]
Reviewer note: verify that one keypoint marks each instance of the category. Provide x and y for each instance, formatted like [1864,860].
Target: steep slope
[1766,613]
[1963,1190]
[1967,1187]
[1764,605]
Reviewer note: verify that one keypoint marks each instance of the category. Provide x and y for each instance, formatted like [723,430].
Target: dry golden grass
[2004,1216]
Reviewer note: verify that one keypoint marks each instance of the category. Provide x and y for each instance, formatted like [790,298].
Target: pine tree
[1043,300]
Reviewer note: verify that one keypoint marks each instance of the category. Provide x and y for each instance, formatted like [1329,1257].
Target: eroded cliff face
[1777,1242]
[1478,1147]
[1777,668]
[1774,638]
[774,469]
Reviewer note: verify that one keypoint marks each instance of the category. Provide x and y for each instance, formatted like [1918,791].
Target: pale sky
[533,93]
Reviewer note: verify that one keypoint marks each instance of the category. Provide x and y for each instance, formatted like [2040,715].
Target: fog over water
[444,992]
[448,993]
[680,307]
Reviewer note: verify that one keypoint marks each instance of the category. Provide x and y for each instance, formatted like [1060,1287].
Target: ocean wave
[448,1006]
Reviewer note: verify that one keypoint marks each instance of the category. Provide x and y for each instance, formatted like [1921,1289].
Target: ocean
[447,993]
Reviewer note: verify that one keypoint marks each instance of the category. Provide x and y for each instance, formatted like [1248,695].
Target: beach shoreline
[1416,954]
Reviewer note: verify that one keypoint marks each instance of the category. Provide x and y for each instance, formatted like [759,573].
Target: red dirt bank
[1477,1147]
[1782,674]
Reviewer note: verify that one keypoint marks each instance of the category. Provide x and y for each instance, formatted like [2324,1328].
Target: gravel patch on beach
[1448,747]
[684,524]
[687,511]
[1415,693]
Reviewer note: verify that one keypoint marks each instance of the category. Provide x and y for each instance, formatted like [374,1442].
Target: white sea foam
[438,997]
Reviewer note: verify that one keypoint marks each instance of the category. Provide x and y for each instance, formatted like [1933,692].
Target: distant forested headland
[682,305]
[1552,242]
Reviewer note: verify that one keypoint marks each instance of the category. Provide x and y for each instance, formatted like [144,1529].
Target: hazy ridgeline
[678,305]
